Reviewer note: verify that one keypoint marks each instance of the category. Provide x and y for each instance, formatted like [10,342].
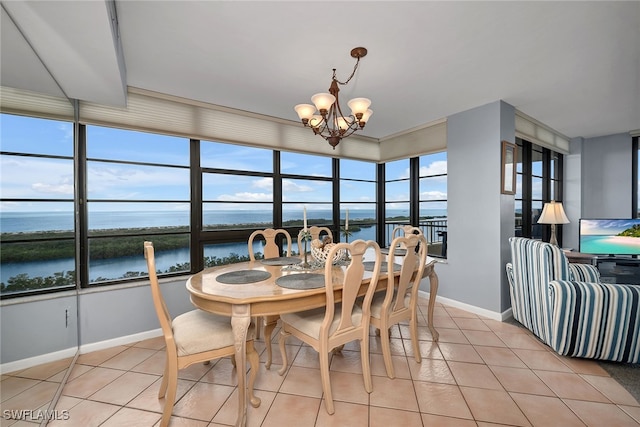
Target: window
[397,196]
[433,202]
[538,180]
[37,215]
[138,188]
[237,198]
[358,197]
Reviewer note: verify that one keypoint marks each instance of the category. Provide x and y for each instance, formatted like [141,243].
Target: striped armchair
[567,307]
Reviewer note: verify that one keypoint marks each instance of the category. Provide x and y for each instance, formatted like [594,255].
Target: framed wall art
[508,168]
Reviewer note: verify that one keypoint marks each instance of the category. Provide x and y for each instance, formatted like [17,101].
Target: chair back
[271,249]
[316,232]
[405,230]
[412,249]
[351,280]
[158,301]
[533,265]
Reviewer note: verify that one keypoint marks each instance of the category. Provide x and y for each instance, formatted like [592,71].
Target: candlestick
[304,212]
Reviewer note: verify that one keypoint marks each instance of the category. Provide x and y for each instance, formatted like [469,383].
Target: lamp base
[553,239]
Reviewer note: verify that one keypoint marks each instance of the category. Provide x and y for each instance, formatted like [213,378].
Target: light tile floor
[481,373]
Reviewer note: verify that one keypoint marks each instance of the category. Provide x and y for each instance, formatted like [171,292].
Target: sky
[52,178]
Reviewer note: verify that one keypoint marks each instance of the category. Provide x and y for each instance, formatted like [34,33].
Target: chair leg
[269,326]
[413,327]
[366,367]
[163,385]
[326,383]
[283,350]
[254,362]
[386,350]
[258,322]
[170,398]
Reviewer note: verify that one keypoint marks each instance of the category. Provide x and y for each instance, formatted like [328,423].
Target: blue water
[116,267]
[609,245]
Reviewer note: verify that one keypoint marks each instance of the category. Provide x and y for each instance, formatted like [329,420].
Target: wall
[598,180]
[480,218]
[38,330]
[606,177]
[109,314]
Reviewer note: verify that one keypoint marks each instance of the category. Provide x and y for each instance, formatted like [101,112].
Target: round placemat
[368,266]
[241,277]
[283,260]
[301,281]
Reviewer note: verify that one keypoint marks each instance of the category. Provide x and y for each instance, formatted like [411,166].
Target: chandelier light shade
[325,116]
[553,213]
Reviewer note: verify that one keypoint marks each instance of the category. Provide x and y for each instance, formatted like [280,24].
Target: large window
[76,214]
[538,180]
[37,215]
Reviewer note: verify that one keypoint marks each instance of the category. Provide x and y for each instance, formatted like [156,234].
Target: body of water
[117,267]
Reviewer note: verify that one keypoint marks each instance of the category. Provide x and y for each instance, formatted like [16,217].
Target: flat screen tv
[610,236]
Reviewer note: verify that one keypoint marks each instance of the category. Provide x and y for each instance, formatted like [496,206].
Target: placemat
[368,266]
[301,281]
[241,277]
[283,260]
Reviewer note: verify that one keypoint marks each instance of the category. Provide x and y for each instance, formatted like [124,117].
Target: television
[609,236]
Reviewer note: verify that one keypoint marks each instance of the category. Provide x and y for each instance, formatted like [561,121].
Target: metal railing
[435,230]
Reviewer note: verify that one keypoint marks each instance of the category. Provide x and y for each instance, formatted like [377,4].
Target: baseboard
[37,360]
[124,340]
[471,308]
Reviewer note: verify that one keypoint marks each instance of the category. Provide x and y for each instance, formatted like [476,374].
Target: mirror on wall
[39,336]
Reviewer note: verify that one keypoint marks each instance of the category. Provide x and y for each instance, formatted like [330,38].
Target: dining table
[270,287]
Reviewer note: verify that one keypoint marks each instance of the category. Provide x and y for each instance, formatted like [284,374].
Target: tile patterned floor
[481,373]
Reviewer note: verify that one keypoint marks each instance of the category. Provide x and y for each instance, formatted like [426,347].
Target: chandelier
[326,119]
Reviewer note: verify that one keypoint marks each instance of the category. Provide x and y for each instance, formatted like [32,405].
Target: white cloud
[263,183]
[43,188]
[293,187]
[434,168]
[433,195]
[246,197]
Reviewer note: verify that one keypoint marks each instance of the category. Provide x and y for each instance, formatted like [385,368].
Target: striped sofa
[567,306]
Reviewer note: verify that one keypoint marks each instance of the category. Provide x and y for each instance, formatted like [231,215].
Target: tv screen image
[610,236]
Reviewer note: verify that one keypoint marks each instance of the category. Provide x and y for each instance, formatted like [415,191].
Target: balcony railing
[435,230]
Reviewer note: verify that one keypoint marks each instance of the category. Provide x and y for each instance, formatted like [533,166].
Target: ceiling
[574,66]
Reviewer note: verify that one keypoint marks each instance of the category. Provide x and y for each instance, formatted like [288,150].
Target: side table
[580,258]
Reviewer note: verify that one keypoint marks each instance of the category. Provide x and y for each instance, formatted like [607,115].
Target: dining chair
[316,232]
[400,302]
[341,320]
[405,230]
[271,250]
[193,337]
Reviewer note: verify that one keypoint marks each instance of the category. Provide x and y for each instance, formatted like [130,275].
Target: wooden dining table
[261,288]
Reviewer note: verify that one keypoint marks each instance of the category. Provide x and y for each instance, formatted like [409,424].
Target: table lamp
[553,213]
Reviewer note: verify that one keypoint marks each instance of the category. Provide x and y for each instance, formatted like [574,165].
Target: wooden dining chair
[316,233]
[400,302]
[340,321]
[194,337]
[405,230]
[271,250]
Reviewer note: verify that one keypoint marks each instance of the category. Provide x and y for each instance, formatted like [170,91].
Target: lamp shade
[305,111]
[359,105]
[553,213]
[323,101]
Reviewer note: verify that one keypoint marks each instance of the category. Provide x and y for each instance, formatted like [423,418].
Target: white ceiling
[574,66]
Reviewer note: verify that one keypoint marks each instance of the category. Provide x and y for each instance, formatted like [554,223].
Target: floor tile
[544,411]
[570,386]
[495,406]
[595,414]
